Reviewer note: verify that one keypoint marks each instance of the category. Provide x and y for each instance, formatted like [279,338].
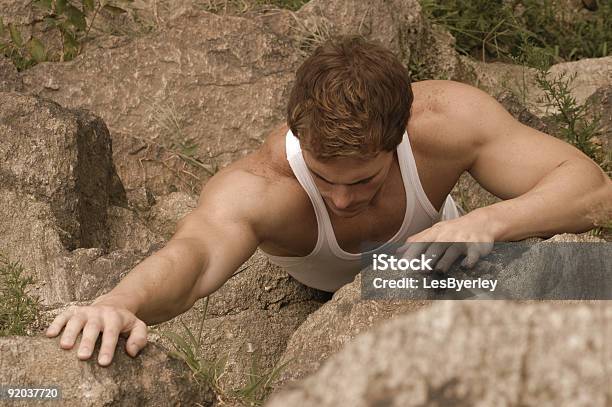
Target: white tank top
[328,267]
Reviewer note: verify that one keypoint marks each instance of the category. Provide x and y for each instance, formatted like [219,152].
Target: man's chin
[348,213]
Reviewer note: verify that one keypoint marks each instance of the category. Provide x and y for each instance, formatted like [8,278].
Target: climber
[366,158]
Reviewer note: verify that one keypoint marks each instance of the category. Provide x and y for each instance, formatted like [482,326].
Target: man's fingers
[110,336]
[137,339]
[89,338]
[72,330]
[436,250]
[475,250]
[449,257]
[59,322]
[414,249]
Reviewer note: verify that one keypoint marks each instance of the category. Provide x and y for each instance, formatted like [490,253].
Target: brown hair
[351,97]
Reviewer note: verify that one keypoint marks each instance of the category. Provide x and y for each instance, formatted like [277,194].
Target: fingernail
[83,352]
[104,359]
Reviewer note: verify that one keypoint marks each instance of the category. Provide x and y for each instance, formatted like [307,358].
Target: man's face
[348,184]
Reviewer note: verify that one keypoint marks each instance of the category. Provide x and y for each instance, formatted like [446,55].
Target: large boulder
[470,353]
[61,157]
[524,270]
[203,86]
[56,186]
[151,379]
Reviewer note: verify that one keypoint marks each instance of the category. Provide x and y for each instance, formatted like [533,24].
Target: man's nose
[341,197]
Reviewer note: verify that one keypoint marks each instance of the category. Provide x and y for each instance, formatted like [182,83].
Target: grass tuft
[19,310]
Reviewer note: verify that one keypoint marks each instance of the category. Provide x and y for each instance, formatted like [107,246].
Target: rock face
[471,353]
[60,157]
[9,78]
[151,379]
[56,185]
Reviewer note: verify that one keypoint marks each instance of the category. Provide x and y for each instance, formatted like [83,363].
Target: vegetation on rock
[19,310]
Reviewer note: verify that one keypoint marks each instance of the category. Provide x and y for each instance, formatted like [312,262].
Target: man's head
[349,107]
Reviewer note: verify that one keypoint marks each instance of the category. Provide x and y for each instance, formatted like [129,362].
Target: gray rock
[9,78]
[470,353]
[128,231]
[151,379]
[56,185]
[168,210]
[61,157]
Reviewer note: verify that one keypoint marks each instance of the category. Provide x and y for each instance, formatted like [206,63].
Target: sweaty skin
[548,186]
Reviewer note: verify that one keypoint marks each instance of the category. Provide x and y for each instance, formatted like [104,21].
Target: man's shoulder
[443,115]
[259,187]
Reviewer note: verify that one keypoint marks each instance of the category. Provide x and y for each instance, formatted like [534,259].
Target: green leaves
[44,4]
[16,36]
[60,6]
[76,17]
[88,5]
[37,50]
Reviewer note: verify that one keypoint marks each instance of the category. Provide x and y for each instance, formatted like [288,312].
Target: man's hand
[470,235]
[93,319]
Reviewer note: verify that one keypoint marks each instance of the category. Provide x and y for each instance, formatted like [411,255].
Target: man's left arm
[548,185]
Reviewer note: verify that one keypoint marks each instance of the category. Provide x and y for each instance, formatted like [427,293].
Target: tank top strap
[301,172]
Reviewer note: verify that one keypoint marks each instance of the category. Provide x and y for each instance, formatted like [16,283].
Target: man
[365,157]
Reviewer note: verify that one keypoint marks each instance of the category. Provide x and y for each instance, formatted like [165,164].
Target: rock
[528,273]
[85,274]
[127,231]
[151,379]
[600,105]
[470,353]
[9,78]
[218,86]
[333,325]
[168,210]
[251,316]
[591,74]
[399,25]
[56,186]
[61,157]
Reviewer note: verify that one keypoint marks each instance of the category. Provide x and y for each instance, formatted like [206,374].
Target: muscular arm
[548,185]
[208,246]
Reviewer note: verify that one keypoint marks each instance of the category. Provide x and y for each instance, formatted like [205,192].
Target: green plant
[72,20]
[24,54]
[19,310]
[258,382]
[572,118]
[497,29]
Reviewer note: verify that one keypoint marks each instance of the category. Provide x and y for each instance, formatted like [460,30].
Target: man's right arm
[208,246]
